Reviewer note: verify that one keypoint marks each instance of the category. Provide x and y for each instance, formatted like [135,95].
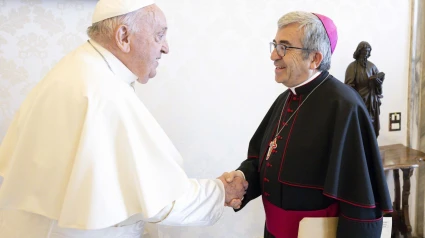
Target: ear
[316,59]
[122,38]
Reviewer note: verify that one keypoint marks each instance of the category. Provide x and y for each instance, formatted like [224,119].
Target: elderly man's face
[148,44]
[291,69]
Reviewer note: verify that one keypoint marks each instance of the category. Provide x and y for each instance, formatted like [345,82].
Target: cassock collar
[117,67]
[310,83]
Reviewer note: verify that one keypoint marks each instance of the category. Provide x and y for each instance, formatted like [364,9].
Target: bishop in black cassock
[326,163]
[315,153]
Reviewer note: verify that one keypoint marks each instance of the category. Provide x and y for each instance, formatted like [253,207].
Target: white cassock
[83,157]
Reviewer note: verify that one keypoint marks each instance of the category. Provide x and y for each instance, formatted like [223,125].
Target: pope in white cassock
[83,157]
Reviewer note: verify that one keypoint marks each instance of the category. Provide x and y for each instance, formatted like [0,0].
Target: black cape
[327,147]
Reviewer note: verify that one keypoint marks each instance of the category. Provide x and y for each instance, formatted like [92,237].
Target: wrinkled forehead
[154,18]
[290,34]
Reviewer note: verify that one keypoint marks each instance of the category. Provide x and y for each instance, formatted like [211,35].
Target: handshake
[235,186]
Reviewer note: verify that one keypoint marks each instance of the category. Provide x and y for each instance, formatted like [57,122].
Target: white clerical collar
[116,66]
[305,82]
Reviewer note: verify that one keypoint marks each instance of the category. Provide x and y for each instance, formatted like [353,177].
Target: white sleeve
[201,205]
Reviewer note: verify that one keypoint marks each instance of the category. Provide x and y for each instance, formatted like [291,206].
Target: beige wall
[215,86]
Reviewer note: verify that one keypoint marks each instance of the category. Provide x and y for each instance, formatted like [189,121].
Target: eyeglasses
[281,48]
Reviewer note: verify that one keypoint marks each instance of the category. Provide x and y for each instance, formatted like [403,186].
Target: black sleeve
[250,167]
[359,222]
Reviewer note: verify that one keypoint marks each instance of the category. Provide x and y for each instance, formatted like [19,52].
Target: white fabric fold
[201,205]
[85,151]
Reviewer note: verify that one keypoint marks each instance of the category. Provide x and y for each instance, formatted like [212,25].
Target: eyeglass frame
[285,47]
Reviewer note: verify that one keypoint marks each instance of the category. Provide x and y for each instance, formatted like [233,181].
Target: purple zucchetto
[330,30]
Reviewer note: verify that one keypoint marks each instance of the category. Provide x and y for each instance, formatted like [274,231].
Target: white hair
[314,36]
[105,30]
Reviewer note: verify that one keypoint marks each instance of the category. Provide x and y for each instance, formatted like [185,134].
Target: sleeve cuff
[243,175]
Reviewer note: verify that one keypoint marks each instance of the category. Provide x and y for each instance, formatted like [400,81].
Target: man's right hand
[229,176]
[235,186]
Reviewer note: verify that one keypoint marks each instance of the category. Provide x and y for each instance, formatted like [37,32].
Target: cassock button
[294,98]
[266,180]
[290,110]
[274,151]
[266,194]
[269,165]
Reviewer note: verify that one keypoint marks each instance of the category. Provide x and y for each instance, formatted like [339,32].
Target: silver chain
[277,134]
[103,57]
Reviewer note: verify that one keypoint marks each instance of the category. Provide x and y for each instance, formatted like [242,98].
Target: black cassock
[326,164]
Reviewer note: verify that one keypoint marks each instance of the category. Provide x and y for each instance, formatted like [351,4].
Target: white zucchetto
[111,8]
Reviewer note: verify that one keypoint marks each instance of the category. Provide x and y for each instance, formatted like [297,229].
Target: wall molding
[416,106]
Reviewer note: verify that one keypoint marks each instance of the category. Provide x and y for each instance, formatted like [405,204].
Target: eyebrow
[285,42]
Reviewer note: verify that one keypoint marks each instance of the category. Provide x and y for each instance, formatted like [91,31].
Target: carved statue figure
[366,79]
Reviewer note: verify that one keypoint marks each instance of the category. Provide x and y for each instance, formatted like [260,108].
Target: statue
[366,79]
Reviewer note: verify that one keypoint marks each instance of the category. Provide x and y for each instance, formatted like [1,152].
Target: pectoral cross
[272,146]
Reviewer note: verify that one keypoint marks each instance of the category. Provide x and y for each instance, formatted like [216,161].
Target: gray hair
[104,30]
[314,36]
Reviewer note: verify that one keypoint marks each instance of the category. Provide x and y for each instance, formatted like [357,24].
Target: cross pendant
[272,146]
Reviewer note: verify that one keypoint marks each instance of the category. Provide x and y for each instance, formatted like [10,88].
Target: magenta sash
[284,224]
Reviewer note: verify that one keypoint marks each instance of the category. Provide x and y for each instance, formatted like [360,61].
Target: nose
[165,49]
[274,56]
